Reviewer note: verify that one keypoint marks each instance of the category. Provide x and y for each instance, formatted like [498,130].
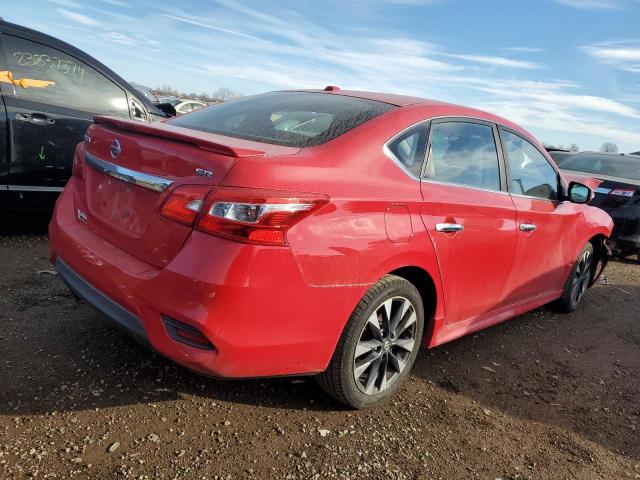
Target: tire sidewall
[397,287]
[572,305]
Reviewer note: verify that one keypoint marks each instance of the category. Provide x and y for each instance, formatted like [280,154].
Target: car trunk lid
[130,168]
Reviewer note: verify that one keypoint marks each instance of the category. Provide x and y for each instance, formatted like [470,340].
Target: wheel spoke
[401,308]
[574,291]
[374,324]
[407,321]
[365,346]
[361,367]
[373,376]
[405,344]
[385,308]
[383,372]
[396,362]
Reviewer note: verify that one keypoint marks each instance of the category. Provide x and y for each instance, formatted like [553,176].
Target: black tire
[579,278]
[390,362]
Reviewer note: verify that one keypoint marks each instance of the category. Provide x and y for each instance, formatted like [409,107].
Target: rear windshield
[611,165]
[560,157]
[293,119]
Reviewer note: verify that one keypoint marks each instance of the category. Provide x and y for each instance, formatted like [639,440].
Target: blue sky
[567,70]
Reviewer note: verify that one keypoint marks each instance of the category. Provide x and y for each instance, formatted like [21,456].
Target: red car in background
[320,232]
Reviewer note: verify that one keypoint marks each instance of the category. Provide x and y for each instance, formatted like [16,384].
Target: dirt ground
[541,396]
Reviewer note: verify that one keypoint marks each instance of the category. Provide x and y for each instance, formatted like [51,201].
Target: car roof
[428,107]
[390,98]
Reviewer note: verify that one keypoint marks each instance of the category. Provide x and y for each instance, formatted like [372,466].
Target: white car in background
[184,105]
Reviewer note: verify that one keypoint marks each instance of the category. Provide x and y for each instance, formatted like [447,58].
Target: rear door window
[296,119]
[464,153]
[531,173]
[40,73]
[408,149]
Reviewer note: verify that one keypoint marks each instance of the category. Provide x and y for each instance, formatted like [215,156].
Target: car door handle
[527,227]
[449,227]
[36,118]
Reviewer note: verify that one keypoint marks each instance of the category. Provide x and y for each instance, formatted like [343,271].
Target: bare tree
[609,147]
[574,148]
[223,94]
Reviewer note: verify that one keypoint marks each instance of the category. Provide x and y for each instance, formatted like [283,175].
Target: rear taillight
[256,215]
[184,203]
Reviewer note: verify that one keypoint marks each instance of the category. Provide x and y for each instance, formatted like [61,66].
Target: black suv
[50,93]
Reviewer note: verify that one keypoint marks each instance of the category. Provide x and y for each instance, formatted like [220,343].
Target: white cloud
[549,117]
[497,61]
[79,18]
[591,4]
[66,3]
[525,49]
[420,3]
[207,25]
[117,3]
[622,54]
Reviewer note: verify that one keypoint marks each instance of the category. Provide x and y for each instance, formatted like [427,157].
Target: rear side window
[296,119]
[464,153]
[408,149]
[531,173]
[54,77]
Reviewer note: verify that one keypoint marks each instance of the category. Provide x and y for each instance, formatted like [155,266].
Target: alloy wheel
[385,345]
[581,277]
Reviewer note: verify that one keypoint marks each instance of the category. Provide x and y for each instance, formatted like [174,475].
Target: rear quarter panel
[347,242]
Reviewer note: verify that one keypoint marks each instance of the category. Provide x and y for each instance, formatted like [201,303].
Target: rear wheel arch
[426,286]
[600,250]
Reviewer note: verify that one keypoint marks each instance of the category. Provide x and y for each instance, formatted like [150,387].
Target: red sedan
[320,232]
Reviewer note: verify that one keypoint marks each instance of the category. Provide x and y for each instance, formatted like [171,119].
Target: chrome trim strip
[387,151]
[460,185]
[33,188]
[535,198]
[140,179]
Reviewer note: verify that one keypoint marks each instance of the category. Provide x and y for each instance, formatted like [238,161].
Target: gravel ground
[541,396]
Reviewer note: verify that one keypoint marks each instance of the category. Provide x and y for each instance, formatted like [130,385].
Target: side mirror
[167,108]
[579,193]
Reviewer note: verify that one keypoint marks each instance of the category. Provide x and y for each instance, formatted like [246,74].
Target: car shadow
[24,222]
[60,355]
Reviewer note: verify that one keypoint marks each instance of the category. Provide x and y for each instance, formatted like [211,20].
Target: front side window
[51,76]
[408,149]
[294,119]
[531,173]
[464,153]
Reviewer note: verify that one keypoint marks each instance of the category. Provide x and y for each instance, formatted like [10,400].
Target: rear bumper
[123,318]
[251,302]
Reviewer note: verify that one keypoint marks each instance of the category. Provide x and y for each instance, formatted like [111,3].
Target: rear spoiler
[205,141]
